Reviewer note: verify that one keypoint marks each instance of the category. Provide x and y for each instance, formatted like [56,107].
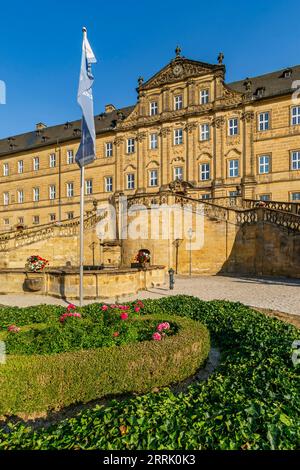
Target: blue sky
[40,47]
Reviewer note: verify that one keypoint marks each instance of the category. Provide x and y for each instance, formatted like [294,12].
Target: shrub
[43,382]
[250,402]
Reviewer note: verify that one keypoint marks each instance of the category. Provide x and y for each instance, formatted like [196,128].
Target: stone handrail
[293,207]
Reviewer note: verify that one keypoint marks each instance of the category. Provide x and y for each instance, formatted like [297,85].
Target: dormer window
[287,73]
[178,102]
[204,96]
[153,108]
[260,92]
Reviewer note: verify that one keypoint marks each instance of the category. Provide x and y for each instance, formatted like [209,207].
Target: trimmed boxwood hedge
[39,383]
[251,401]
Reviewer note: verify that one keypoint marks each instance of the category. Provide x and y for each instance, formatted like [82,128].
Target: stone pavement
[270,293]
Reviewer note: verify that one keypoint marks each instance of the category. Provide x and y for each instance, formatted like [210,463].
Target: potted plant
[143,258]
[34,280]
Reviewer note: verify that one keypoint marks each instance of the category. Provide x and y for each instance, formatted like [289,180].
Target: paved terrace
[270,293]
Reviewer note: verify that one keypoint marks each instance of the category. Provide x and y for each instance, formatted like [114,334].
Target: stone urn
[34,282]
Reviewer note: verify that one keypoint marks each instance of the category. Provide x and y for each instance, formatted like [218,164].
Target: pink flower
[156,336]
[69,314]
[104,307]
[116,333]
[163,326]
[113,306]
[137,309]
[71,307]
[140,303]
[13,329]
[124,316]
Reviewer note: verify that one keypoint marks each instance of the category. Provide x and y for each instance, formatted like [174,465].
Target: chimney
[40,125]
[109,108]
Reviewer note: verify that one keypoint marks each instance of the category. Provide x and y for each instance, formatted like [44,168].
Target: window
[264,164]
[178,173]
[70,189]
[108,184]
[178,102]
[130,145]
[153,141]
[206,196]
[70,157]
[20,193]
[233,193]
[295,196]
[130,181]
[295,161]
[52,191]
[21,220]
[6,221]
[204,96]
[263,121]
[109,149]
[70,215]
[153,178]
[153,108]
[20,166]
[5,169]
[204,171]
[89,187]
[264,197]
[233,168]
[178,136]
[295,115]
[204,132]
[233,126]
[52,217]
[52,160]
[36,219]
[36,194]
[6,199]
[36,163]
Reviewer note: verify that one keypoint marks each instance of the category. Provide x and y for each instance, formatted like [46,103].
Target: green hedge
[38,383]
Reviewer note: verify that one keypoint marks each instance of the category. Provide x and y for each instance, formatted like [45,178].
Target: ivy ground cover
[252,400]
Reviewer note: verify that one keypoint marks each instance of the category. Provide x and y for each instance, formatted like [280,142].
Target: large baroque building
[224,139]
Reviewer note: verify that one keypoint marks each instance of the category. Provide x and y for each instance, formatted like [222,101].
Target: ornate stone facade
[187,124]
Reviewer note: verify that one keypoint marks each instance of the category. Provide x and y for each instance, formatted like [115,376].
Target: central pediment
[179,69]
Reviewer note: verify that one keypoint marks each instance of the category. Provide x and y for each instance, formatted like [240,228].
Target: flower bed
[111,350]
[250,402]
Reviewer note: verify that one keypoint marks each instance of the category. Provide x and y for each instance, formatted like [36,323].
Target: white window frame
[36,163]
[178,102]
[153,108]
[295,160]
[178,136]
[88,187]
[5,169]
[153,141]
[264,121]
[206,196]
[205,171]
[70,189]
[292,196]
[52,160]
[295,115]
[20,167]
[130,181]
[36,194]
[262,197]
[52,192]
[233,168]
[204,132]
[20,194]
[108,181]
[233,126]
[6,198]
[204,96]
[264,164]
[178,173]
[131,145]
[153,178]
[108,149]
[70,156]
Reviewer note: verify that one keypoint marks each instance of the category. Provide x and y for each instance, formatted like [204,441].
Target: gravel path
[270,293]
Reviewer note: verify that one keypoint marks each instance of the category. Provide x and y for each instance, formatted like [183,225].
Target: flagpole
[81,250]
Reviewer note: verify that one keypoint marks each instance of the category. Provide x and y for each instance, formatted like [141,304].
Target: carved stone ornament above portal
[178,186]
